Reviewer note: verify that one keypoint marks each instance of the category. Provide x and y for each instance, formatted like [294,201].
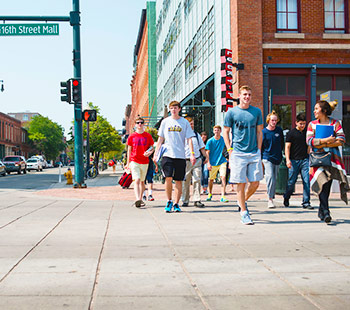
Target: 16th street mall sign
[29,30]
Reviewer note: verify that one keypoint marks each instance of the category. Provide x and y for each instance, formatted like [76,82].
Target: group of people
[245,150]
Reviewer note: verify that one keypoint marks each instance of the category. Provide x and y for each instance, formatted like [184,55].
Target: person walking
[297,161]
[174,131]
[245,123]
[205,171]
[217,162]
[321,177]
[140,147]
[193,172]
[272,146]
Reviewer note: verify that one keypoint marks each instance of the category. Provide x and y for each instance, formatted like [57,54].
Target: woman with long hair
[321,177]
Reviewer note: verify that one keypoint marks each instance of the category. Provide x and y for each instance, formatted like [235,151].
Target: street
[62,253]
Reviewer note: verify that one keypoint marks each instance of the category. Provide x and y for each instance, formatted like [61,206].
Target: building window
[287,16]
[334,16]
[25,117]
[211,31]
[287,85]
[187,7]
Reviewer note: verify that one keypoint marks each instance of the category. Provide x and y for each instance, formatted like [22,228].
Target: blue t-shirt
[216,147]
[243,123]
[272,145]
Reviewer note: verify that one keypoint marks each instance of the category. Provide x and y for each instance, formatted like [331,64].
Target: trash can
[282,178]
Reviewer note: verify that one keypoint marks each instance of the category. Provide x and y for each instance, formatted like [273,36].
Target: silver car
[34,164]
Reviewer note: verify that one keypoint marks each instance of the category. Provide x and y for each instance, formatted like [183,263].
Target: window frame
[346,18]
[288,30]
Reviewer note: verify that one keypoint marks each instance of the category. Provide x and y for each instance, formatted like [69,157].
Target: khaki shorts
[215,169]
[138,171]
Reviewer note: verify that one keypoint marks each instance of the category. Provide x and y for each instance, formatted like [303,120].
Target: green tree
[46,136]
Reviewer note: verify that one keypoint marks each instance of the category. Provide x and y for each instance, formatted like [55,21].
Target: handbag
[320,159]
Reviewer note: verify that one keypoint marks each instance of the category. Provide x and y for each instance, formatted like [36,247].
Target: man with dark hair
[297,160]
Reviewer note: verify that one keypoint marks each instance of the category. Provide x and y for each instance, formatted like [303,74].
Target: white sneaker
[271,205]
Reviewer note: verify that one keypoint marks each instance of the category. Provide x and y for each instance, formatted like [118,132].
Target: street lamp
[2,85]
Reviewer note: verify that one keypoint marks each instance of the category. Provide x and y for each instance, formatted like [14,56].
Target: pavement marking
[98,268]
[18,218]
[180,261]
[40,241]
[15,204]
[259,261]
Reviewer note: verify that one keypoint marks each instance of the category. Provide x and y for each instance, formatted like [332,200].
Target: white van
[42,159]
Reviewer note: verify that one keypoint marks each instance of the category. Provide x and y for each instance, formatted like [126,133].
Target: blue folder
[324,131]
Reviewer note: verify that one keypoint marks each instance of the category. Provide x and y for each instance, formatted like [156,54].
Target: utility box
[334,95]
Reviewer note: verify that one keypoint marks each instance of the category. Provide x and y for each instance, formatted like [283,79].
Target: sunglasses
[139,122]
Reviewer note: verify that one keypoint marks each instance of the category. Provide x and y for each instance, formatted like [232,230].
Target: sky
[32,67]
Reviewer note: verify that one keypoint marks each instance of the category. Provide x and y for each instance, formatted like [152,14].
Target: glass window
[287,15]
[323,84]
[343,83]
[25,117]
[296,85]
[278,84]
[334,15]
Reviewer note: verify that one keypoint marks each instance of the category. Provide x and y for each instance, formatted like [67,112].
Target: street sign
[29,30]
[90,115]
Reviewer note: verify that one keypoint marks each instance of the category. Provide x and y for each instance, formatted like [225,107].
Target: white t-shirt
[196,146]
[175,132]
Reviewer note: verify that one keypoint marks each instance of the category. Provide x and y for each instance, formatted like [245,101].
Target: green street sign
[29,30]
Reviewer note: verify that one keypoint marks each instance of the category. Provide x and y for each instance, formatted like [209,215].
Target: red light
[75,82]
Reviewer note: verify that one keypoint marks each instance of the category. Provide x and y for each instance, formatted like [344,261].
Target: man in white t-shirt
[173,132]
[194,172]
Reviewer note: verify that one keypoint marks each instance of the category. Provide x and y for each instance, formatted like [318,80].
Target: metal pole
[78,124]
[87,147]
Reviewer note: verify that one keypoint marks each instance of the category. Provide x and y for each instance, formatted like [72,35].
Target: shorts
[215,169]
[245,167]
[138,171]
[174,168]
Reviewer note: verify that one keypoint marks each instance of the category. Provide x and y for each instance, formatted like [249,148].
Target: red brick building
[13,138]
[292,51]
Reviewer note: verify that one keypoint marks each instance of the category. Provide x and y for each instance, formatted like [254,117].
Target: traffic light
[90,115]
[76,90]
[66,91]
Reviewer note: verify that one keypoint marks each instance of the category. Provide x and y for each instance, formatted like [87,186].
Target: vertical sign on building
[226,80]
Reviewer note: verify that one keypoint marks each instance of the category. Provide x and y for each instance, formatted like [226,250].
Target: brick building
[13,138]
[24,117]
[144,80]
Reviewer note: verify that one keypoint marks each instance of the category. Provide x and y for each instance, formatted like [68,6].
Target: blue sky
[33,66]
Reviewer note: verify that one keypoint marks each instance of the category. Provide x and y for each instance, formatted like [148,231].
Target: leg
[168,187]
[205,176]
[223,171]
[196,181]
[292,178]
[323,211]
[178,191]
[306,182]
[252,187]
[138,189]
[187,183]
[211,182]
[269,177]
[241,196]
[143,187]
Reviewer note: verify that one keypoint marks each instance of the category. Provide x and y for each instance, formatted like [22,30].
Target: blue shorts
[245,167]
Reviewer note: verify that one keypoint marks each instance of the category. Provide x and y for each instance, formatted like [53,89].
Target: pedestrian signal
[90,115]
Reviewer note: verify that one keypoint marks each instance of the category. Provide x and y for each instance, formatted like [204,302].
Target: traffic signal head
[76,90]
[66,91]
[90,115]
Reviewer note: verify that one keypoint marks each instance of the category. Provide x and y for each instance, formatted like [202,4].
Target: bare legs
[169,189]
[243,196]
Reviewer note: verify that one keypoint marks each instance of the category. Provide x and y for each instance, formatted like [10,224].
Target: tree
[46,136]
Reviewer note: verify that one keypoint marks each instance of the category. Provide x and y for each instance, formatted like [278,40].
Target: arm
[227,140]
[159,143]
[259,136]
[208,163]
[202,150]
[128,157]
[190,145]
[287,153]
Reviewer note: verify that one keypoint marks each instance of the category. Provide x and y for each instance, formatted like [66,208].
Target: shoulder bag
[320,159]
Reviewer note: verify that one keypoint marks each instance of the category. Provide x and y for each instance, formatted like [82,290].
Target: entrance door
[287,111]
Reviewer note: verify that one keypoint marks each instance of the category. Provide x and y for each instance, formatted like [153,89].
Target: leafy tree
[153,132]
[46,136]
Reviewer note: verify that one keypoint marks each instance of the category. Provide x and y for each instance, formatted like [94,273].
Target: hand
[329,140]
[156,167]
[209,166]
[193,159]
[206,161]
[289,164]
[147,153]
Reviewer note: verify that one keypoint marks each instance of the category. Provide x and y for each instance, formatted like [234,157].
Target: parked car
[42,159]
[49,164]
[15,163]
[34,164]
[2,169]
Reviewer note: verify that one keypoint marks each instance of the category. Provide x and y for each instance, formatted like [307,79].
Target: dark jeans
[323,197]
[205,176]
[299,166]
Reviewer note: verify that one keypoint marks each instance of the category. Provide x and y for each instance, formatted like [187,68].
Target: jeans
[205,176]
[323,197]
[271,171]
[299,166]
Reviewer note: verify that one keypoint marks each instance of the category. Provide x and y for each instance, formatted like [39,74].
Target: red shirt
[140,143]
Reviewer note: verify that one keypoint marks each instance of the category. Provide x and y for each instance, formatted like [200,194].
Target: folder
[324,131]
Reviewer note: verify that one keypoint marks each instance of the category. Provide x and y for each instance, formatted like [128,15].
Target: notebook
[324,131]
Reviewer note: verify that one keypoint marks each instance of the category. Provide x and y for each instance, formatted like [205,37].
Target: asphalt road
[33,180]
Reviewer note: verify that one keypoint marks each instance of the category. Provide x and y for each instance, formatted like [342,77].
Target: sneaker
[144,198]
[185,204]
[209,197]
[270,204]
[223,199]
[310,207]
[327,218]
[198,204]
[245,219]
[286,202]
[142,204]
[205,192]
[246,206]
[137,203]
[150,198]
[176,208]
[168,207]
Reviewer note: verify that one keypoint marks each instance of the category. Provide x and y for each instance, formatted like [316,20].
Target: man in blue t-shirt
[245,123]
[217,162]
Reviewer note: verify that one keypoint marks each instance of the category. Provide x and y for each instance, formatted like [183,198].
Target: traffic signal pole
[78,122]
